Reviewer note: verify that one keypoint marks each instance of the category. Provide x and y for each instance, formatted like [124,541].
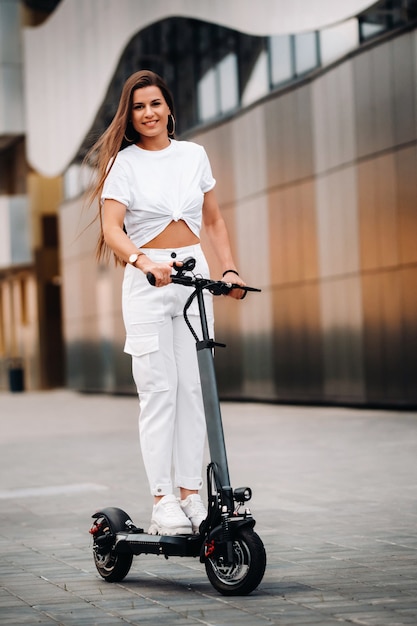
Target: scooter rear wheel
[111,566]
[245,573]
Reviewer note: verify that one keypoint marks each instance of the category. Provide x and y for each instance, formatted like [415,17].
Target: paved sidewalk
[335,499]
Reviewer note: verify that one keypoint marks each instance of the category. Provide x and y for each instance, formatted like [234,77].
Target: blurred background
[308,114]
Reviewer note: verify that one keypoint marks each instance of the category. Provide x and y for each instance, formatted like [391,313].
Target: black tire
[245,574]
[111,566]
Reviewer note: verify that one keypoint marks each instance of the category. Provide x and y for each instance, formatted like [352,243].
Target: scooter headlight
[242,494]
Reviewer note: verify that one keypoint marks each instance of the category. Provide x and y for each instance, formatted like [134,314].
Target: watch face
[133,258]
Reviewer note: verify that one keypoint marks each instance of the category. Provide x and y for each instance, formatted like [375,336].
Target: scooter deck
[167,545]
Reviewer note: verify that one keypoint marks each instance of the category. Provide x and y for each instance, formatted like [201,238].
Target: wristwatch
[134,257]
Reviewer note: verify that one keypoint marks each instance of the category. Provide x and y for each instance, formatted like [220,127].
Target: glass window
[280,59]
[228,81]
[210,69]
[306,52]
[258,83]
[369,30]
[386,15]
[207,96]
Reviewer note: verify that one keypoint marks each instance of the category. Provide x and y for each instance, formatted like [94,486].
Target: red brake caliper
[209,548]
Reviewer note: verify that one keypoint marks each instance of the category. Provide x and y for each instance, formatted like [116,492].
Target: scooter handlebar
[216,287]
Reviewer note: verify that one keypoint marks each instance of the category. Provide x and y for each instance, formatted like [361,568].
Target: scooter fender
[118,519]
[216,535]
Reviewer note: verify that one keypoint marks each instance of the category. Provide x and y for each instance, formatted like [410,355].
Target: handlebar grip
[245,288]
[151,278]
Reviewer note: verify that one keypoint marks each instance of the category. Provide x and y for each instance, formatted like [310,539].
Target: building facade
[31,343]
[312,135]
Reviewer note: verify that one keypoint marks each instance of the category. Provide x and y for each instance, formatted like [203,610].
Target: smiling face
[150,114]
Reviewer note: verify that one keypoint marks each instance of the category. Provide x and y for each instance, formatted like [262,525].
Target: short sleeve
[116,186]
[207,180]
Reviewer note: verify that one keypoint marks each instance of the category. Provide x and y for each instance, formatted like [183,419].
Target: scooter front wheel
[245,573]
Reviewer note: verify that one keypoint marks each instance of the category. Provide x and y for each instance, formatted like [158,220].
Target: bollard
[16,375]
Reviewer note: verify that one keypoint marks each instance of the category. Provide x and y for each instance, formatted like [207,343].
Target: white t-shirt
[159,186]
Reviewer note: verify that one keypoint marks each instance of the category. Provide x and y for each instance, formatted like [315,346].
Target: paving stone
[334,499]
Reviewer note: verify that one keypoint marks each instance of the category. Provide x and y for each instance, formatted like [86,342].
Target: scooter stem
[212,411]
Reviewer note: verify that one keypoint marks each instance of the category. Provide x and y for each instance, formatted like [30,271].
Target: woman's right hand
[161,271]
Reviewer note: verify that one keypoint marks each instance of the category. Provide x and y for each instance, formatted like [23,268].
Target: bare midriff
[175,235]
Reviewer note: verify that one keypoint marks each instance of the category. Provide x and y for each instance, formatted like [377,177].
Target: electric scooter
[233,554]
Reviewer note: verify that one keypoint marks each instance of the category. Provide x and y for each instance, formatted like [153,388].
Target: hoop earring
[171,132]
[124,134]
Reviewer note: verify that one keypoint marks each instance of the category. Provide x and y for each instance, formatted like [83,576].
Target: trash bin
[16,375]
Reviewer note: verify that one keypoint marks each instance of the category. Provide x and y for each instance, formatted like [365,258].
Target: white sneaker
[168,518]
[195,510]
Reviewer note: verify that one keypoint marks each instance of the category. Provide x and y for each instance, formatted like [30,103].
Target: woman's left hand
[237,294]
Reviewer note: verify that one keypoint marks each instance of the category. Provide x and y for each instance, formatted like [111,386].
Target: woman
[154,194]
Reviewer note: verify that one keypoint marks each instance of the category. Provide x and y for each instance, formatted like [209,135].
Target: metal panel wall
[318,187]
[341,187]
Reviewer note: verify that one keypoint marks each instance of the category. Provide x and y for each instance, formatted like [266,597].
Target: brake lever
[187,266]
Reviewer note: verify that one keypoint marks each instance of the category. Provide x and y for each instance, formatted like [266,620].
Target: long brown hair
[119,135]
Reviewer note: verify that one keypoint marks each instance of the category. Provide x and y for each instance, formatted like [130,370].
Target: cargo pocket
[148,367]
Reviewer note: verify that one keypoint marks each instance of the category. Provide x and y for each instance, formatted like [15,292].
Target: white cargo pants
[165,369]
